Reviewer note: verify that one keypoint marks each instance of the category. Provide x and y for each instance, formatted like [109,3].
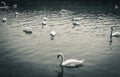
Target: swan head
[59,54]
[111,28]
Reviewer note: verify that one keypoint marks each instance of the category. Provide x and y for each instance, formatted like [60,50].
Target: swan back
[116,34]
[27,29]
[75,23]
[4,19]
[43,22]
[72,63]
[16,13]
[52,33]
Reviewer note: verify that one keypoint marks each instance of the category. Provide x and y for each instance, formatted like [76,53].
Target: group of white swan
[4,19]
[30,30]
[69,62]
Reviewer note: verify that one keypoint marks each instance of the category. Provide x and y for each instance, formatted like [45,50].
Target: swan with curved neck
[69,62]
[115,34]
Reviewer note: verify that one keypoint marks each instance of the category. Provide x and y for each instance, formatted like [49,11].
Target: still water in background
[35,55]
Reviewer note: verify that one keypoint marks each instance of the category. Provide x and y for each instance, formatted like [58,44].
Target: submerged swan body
[53,33]
[69,62]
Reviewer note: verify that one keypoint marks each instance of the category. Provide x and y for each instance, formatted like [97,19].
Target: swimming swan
[115,34]
[75,24]
[16,13]
[52,34]
[4,19]
[69,62]
[27,30]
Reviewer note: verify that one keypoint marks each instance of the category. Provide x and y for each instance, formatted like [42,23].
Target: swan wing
[53,33]
[72,62]
[116,34]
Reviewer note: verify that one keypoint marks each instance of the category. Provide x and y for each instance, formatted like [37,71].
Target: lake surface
[35,55]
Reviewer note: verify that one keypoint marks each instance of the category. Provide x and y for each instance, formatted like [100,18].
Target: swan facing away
[69,62]
[27,30]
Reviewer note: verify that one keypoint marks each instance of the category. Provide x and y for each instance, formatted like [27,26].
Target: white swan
[27,29]
[44,18]
[52,34]
[15,6]
[16,13]
[69,62]
[116,7]
[43,22]
[75,23]
[115,34]
[4,19]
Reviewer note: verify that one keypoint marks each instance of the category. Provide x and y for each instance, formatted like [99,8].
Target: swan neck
[111,32]
[111,35]
[62,59]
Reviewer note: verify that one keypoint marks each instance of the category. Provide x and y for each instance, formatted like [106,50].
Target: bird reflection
[60,74]
[110,42]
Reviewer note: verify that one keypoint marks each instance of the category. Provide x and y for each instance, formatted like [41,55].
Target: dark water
[35,55]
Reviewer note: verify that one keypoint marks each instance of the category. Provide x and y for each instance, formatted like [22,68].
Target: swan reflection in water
[60,74]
